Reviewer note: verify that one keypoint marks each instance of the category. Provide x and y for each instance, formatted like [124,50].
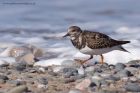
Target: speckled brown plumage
[96,40]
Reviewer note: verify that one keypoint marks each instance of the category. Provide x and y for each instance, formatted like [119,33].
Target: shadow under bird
[93,43]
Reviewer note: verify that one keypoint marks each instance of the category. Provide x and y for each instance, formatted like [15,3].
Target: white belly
[100,51]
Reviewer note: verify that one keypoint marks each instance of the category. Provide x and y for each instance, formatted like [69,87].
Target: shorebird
[93,43]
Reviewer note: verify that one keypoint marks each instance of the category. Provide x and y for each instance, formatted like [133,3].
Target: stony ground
[70,78]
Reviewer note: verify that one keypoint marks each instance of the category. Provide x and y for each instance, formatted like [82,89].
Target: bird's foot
[102,62]
[81,62]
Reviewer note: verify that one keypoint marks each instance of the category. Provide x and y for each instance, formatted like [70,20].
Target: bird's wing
[99,40]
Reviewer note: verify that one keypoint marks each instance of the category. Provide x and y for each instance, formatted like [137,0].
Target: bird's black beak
[66,35]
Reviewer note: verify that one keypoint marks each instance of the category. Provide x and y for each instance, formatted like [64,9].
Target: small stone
[43,81]
[41,70]
[20,66]
[132,87]
[4,77]
[18,89]
[75,91]
[42,86]
[84,84]
[97,80]
[68,80]
[131,69]
[28,58]
[112,67]
[124,73]
[112,78]
[5,64]
[90,69]
[81,71]
[52,73]
[57,69]
[32,71]
[119,66]
[134,62]
[16,82]
[70,71]
[133,79]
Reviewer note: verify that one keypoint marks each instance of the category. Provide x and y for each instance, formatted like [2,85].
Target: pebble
[41,70]
[70,71]
[42,86]
[16,82]
[131,69]
[81,71]
[124,73]
[3,77]
[43,81]
[19,66]
[132,87]
[112,78]
[97,80]
[5,64]
[17,51]
[75,91]
[84,84]
[119,66]
[68,80]
[112,67]
[58,69]
[18,89]
[90,69]
[28,58]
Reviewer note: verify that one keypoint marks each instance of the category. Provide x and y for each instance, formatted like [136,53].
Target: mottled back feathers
[95,40]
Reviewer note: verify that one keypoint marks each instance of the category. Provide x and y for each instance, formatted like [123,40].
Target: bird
[93,43]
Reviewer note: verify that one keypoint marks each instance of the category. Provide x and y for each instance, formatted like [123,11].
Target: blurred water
[44,22]
[59,14]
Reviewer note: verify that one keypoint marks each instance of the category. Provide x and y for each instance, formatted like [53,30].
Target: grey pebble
[3,77]
[119,66]
[20,66]
[90,69]
[5,64]
[112,78]
[18,89]
[124,73]
[70,71]
[43,81]
[132,87]
[131,69]
[16,82]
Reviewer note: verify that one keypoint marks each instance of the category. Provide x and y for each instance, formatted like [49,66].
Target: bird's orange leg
[102,59]
[83,61]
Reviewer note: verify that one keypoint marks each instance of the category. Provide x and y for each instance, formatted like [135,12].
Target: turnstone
[93,43]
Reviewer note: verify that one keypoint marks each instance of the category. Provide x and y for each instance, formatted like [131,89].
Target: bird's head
[73,32]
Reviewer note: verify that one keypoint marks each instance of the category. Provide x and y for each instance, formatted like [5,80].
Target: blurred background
[44,22]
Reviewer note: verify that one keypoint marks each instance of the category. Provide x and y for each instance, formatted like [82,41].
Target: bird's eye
[73,31]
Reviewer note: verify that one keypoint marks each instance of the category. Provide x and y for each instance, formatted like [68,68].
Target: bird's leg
[83,61]
[102,59]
